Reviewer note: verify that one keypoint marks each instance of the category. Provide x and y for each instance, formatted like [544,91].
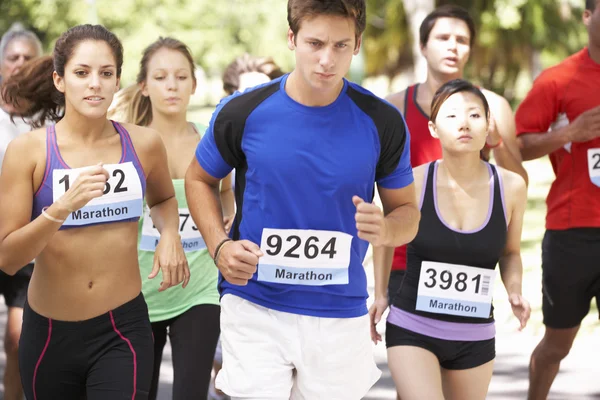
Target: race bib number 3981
[455,289]
[304,257]
[122,197]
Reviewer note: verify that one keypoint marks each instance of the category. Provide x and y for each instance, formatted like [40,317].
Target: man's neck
[302,93]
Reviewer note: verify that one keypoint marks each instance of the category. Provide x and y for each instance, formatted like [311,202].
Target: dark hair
[140,107]
[21,88]
[43,99]
[453,87]
[247,63]
[299,10]
[590,5]
[446,11]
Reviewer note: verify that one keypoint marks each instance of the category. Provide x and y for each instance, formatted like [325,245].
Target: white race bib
[594,165]
[304,257]
[122,199]
[455,289]
[191,239]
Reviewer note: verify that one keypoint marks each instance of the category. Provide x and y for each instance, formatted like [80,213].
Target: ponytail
[140,108]
[31,92]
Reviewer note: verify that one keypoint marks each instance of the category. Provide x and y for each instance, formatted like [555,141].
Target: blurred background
[516,39]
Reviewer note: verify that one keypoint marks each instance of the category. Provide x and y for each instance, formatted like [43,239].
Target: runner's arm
[22,240]
[511,266]
[507,154]
[382,268]
[202,193]
[160,194]
[227,198]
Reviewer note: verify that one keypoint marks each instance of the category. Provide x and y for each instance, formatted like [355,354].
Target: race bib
[455,289]
[594,165]
[122,198]
[191,239]
[304,257]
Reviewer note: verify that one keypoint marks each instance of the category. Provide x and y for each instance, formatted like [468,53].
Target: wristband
[218,249]
[494,146]
[51,218]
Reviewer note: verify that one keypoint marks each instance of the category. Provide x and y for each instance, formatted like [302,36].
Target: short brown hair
[453,87]
[247,63]
[446,11]
[299,10]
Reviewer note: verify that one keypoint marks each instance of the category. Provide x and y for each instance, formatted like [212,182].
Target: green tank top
[202,288]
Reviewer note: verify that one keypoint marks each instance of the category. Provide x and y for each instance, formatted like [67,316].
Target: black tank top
[437,242]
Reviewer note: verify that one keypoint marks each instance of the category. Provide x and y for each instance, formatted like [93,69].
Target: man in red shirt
[561,117]
[446,35]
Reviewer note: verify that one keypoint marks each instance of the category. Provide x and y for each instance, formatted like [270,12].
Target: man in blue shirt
[307,148]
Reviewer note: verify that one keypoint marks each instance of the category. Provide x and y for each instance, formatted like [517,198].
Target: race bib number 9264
[304,257]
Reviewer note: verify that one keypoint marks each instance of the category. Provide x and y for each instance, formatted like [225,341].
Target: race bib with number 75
[304,257]
[191,239]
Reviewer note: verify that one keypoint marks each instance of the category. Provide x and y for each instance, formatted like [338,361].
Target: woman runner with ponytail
[165,83]
[71,198]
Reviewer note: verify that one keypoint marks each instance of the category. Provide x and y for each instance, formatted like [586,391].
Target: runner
[191,317]
[16,48]
[85,326]
[561,117]
[446,36]
[242,73]
[307,149]
[440,330]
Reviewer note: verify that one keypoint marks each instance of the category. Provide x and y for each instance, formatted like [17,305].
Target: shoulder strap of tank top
[428,201]
[408,96]
[499,206]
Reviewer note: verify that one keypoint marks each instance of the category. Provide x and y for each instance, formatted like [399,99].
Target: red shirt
[558,96]
[424,148]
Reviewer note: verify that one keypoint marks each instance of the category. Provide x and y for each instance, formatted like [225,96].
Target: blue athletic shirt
[297,168]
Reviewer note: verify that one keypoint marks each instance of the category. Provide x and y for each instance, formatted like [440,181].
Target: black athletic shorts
[106,357]
[571,275]
[452,354]
[14,288]
[394,284]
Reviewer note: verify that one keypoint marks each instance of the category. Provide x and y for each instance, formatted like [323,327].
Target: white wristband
[51,218]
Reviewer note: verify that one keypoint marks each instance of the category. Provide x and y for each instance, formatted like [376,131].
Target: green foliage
[510,32]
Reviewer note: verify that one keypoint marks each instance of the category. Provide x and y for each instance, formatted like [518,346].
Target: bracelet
[218,249]
[51,218]
[494,146]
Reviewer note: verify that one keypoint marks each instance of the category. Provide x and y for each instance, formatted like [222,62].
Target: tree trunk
[416,11]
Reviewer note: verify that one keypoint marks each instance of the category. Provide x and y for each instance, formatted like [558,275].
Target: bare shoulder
[419,174]
[144,139]
[397,99]
[29,146]
[514,186]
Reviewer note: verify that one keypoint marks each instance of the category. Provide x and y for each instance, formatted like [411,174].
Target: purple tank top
[123,196]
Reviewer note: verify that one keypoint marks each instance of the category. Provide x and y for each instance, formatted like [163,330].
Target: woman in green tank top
[190,316]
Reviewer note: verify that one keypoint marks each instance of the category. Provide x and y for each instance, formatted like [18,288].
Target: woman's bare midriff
[86,272]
